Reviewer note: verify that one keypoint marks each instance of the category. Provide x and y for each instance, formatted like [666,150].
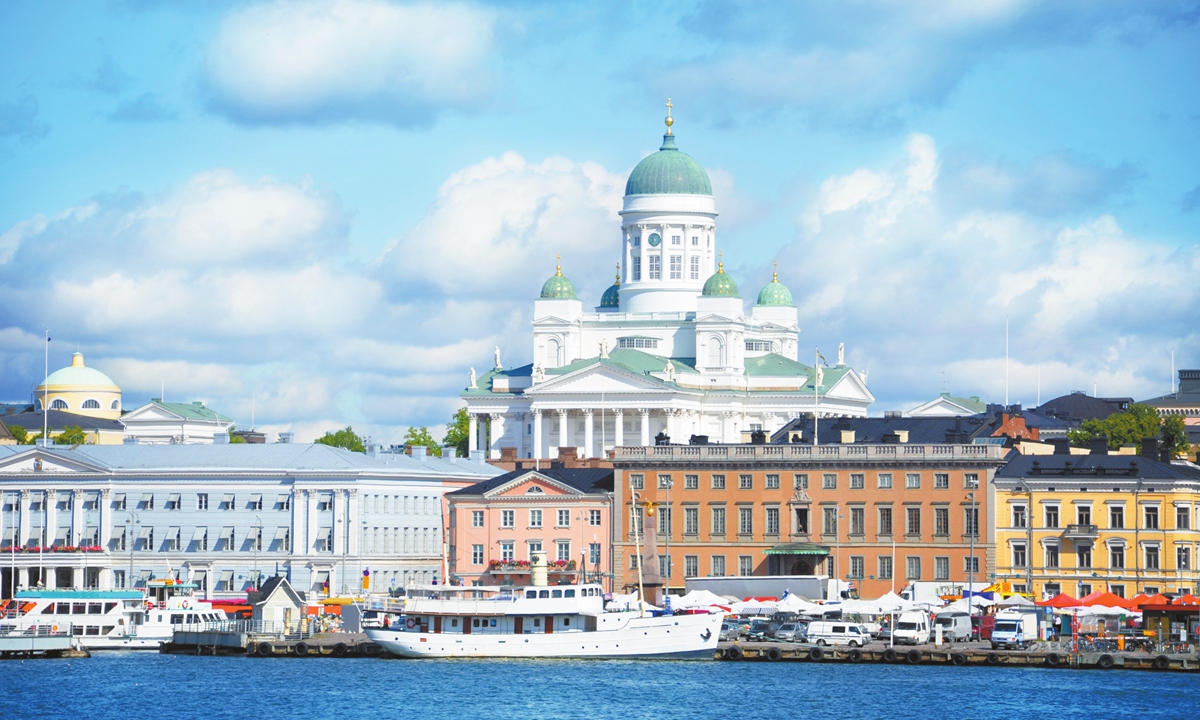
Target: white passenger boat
[566,621]
[110,619]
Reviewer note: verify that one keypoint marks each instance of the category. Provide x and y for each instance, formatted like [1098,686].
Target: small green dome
[720,284]
[775,293]
[612,296]
[668,172]
[558,287]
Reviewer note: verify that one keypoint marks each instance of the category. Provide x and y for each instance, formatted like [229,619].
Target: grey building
[223,516]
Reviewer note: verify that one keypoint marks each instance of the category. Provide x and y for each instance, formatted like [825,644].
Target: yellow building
[80,390]
[1080,523]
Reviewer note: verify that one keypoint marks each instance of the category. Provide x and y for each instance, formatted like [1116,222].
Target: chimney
[287,438]
[1098,445]
[449,452]
[419,451]
[1150,448]
[903,435]
[893,414]
[1062,446]
[847,437]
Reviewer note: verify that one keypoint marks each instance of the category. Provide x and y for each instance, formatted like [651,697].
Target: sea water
[148,685]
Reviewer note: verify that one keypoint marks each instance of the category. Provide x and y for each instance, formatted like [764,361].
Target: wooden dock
[954,655]
[243,643]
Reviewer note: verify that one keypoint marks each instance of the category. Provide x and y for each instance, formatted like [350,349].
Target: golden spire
[618,273]
[670,121]
[720,265]
[557,264]
[775,275]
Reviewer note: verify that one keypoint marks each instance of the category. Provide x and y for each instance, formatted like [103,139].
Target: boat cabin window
[453,622]
[79,609]
[556,593]
[475,622]
[95,609]
[530,594]
[109,607]
[537,622]
[543,593]
[48,610]
[177,619]
[566,622]
[491,623]
[569,593]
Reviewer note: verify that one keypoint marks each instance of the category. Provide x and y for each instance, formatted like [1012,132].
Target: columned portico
[619,437]
[497,432]
[645,415]
[472,432]
[537,433]
[563,431]
[588,433]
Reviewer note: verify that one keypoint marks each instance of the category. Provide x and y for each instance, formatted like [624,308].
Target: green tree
[1124,428]
[20,434]
[343,439]
[458,432]
[71,435]
[1174,436]
[235,439]
[420,436]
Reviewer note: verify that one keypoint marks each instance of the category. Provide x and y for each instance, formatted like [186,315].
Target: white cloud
[283,62]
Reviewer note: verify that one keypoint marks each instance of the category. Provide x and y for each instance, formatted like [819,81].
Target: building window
[639,520]
[676,240]
[172,544]
[476,554]
[637,266]
[857,481]
[830,521]
[594,553]
[1018,555]
[858,520]
[913,518]
[506,551]
[664,566]
[971,565]
[913,567]
[635,240]
[1018,516]
[970,480]
[718,521]
[1083,557]
[1051,512]
[941,521]
[800,481]
[718,565]
[772,482]
[508,518]
[1116,557]
[255,502]
[634,562]
[718,482]
[941,568]
[772,521]
[695,266]
[564,519]
[594,518]
[664,482]
[285,539]
[745,565]
[563,551]
[325,503]
[638,343]
[1183,558]
[58,404]
[664,520]
[885,481]
[255,538]
[1151,558]
[691,521]
[691,566]
[637,482]
[912,481]
[745,521]
[1182,518]
[885,521]
[941,481]
[745,482]
[1051,556]
[676,267]
[655,266]
[1150,512]
[691,482]
[885,567]
[758,346]
[971,521]
[535,518]
[477,518]
[829,481]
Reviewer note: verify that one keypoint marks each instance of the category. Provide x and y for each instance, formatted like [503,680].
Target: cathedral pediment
[850,387]
[596,379]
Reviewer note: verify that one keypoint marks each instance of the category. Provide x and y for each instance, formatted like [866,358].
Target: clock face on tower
[655,240]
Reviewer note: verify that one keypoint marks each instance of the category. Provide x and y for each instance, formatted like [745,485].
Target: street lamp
[972,485]
[669,483]
[132,522]
[257,546]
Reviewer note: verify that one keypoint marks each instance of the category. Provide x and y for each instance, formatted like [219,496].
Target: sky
[317,214]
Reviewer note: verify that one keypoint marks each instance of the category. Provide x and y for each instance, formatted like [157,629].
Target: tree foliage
[458,432]
[420,436]
[71,435]
[1174,436]
[344,439]
[1124,428]
[20,434]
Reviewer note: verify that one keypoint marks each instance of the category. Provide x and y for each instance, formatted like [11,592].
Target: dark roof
[268,587]
[1079,406]
[921,430]
[60,419]
[1129,466]
[4,433]
[588,480]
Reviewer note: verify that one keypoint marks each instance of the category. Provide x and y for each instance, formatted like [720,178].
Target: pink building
[496,524]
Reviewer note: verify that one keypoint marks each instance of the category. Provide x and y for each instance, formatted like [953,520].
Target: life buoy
[1162,662]
[410,623]
[1105,662]
[816,654]
[185,604]
[54,628]
[149,604]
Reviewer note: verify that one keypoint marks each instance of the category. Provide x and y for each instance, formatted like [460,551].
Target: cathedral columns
[497,432]
[589,434]
[563,431]
[619,424]
[519,419]
[472,433]
[645,426]
[537,433]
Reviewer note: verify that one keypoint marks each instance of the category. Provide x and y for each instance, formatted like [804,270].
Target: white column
[310,528]
[105,519]
[671,415]
[497,426]
[619,426]
[645,426]
[727,429]
[537,436]
[77,526]
[473,433]
[589,433]
[354,531]
[519,419]
[562,431]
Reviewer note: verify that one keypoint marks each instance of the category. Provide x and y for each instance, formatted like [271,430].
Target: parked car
[912,628]
[792,632]
[730,630]
[762,629]
[982,626]
[955,625]
[833,632]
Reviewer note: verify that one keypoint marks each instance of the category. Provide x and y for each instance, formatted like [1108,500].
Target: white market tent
[699,599]
[1015,601]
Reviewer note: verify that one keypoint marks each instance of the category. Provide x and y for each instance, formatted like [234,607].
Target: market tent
[754,607]
[1155,599]
[891,602]
[1015,601]
[1061,600]
[968,604]
[1106,611]
[797,604]
[699,599]
[1105,599]
[1188,599]
[628,602]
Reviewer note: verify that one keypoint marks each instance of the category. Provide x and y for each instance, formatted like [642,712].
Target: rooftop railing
[807,452]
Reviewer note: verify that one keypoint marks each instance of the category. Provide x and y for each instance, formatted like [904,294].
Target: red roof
[1106,599]
[1188,599]
[1061,600]
[1151,600]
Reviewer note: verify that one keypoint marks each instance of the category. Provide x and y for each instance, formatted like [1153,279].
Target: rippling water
[148,685]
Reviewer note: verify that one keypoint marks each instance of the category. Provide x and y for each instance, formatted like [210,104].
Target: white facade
[157,422]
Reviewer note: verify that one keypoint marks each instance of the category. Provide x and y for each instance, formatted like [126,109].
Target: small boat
[537,621]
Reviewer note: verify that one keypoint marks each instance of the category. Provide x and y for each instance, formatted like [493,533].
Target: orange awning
[1061,600]
[1106,599]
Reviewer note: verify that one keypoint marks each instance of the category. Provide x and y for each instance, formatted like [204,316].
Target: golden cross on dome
[775,275]
[618,273]
[558,264]
[670,121]
[720,265]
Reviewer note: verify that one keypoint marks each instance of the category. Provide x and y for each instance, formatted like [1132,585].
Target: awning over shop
[801,548]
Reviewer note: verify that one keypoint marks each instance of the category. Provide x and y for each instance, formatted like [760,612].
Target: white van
[912,629]
[955,625]
[834,632]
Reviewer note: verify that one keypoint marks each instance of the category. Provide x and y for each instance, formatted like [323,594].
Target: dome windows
[58,404]
[90,404]
[116,405]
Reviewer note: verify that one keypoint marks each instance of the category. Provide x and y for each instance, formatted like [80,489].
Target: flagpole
[816,395]
[46,394]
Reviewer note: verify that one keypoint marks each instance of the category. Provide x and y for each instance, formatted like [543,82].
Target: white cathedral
[669,350]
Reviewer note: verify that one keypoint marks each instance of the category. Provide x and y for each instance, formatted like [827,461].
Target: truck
[934,593]
[1014,629]
[913,628]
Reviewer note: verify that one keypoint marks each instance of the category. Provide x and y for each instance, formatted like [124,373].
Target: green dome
[78,374]
[668,172]
[612,296]
[720,284]
[775,293]
[558,287]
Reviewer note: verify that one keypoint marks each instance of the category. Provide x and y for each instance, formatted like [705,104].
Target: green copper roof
[720,284]
[558,287]
[192,410]
[775,293]
[611,297]
[668,172]
[775,365]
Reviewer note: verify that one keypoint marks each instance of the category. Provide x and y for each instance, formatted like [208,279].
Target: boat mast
[637,543]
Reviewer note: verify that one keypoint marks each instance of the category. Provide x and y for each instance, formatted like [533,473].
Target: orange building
[880,515]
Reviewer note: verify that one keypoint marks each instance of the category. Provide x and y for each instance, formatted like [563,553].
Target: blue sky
[339,207]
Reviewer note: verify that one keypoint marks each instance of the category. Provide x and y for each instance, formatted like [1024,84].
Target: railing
[248,627]
[1083,532]
[38,630]
[825,452]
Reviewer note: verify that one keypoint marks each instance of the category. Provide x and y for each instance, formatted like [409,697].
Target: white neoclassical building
[669,349]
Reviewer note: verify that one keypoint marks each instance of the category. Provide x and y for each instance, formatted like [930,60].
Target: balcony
[523,567]
[1082,532]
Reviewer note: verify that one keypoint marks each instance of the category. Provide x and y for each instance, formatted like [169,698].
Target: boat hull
[678,637]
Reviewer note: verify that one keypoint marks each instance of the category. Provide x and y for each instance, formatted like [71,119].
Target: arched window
[534,490]
[116,405]
[91,404]
[551,359]
[58,404]
[715,352]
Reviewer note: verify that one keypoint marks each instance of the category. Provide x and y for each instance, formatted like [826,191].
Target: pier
[265,639]
[41,642]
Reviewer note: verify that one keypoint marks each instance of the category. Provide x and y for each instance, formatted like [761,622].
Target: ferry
[109,619]
[538,621]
